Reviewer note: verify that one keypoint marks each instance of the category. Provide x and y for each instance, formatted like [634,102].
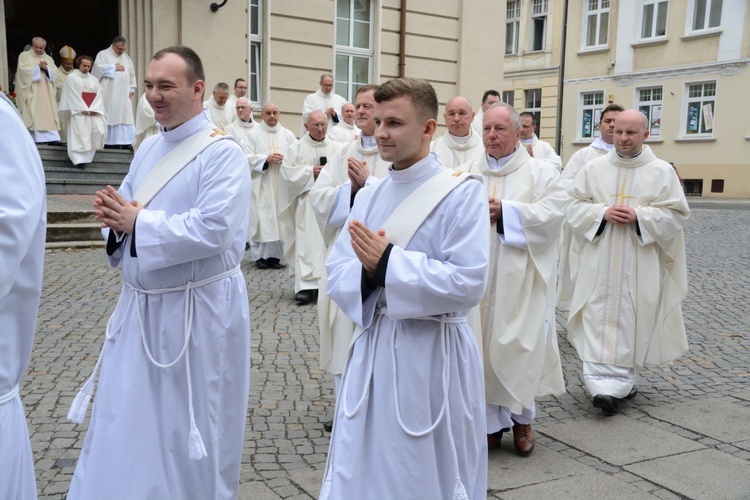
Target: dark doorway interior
[86,25]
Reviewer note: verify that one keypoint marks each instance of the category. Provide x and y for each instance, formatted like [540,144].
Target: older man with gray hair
[521,356]
[35,91]
[221,115]
[116,74]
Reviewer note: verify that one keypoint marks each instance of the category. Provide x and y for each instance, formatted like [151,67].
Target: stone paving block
[507,470]
[308,480]
[256,490]
[619,439]
[720,419]
[598,485]
[699,474]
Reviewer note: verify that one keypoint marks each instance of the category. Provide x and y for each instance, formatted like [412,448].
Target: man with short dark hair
[116,74]
[240,90]
[409,266]
[629,212]
[489,98]
[536,148]
[171,403]
[569,246]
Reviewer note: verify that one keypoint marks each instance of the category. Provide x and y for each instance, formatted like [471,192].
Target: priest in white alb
[67,62]
[521,355]
[537,148]
[569,244]
[174,373]
[413,260]
[23,221]
[331,198]
[35,92]
[116,74]
[82,110]
[460,143]
[489,98]
[265,149]
[221,114]
[304,248]
[243,124]
[326,100]
[629,209]
[145,124]
[345,130]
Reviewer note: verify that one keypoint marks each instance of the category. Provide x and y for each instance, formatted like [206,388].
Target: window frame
[655,108]
[595,108]
[512,26]
[685,113]
[690,18]
[508,93]
[536,105]
[654,36]
[541,14]
[255,49]
[599,11]
[348,88]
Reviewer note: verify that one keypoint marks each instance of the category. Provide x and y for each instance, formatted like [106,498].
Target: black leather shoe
[274,263]
[328,426]
[633,393]
[303,297]
[261,264]
[494,439]
[608,404]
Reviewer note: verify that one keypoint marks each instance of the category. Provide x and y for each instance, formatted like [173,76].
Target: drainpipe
[402,42]
[558,141]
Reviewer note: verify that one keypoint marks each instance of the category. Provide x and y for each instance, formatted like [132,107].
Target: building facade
[685,64]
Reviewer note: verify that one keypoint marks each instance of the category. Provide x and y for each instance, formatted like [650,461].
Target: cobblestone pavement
[285,446]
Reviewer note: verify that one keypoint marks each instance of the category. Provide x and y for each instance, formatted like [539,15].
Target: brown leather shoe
[493,440]
[523,439]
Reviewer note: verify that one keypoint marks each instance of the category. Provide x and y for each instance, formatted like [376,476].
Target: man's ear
[198,87]
[430,126]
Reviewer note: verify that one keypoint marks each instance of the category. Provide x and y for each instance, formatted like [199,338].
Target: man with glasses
[325,100]
[240,90]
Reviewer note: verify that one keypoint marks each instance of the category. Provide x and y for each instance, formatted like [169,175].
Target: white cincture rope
[197,449]
[8,396]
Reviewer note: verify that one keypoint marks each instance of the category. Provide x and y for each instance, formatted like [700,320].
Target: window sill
[655,140]
[649,42]
[696,139]
[593,50]
[583,142]
[702,34]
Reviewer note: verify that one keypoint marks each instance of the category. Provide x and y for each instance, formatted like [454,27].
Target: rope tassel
[80,405]
[195,442]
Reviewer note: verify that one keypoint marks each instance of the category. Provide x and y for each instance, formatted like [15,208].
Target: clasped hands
[114,211]
[368,245]
[620,214]
[358,173]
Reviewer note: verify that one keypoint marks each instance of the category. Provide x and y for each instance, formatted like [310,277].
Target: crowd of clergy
[614,206]
[85,102]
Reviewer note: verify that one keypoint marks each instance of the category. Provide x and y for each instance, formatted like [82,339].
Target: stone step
[71,217]
[66,232]
[109,167]
[78,186]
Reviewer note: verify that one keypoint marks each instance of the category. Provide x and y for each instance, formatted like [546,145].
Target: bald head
[458,116]
[631,131]
[347,111]
[270,114]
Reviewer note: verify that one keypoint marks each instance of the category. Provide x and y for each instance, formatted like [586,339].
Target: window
[650,104]
[533,105]
[700,109]
[596,23]
[509,96]
[256,41]
[353,46]
[591,106]
[717,185]
[538,24]
[653,19]
[706,14]
[512,22]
